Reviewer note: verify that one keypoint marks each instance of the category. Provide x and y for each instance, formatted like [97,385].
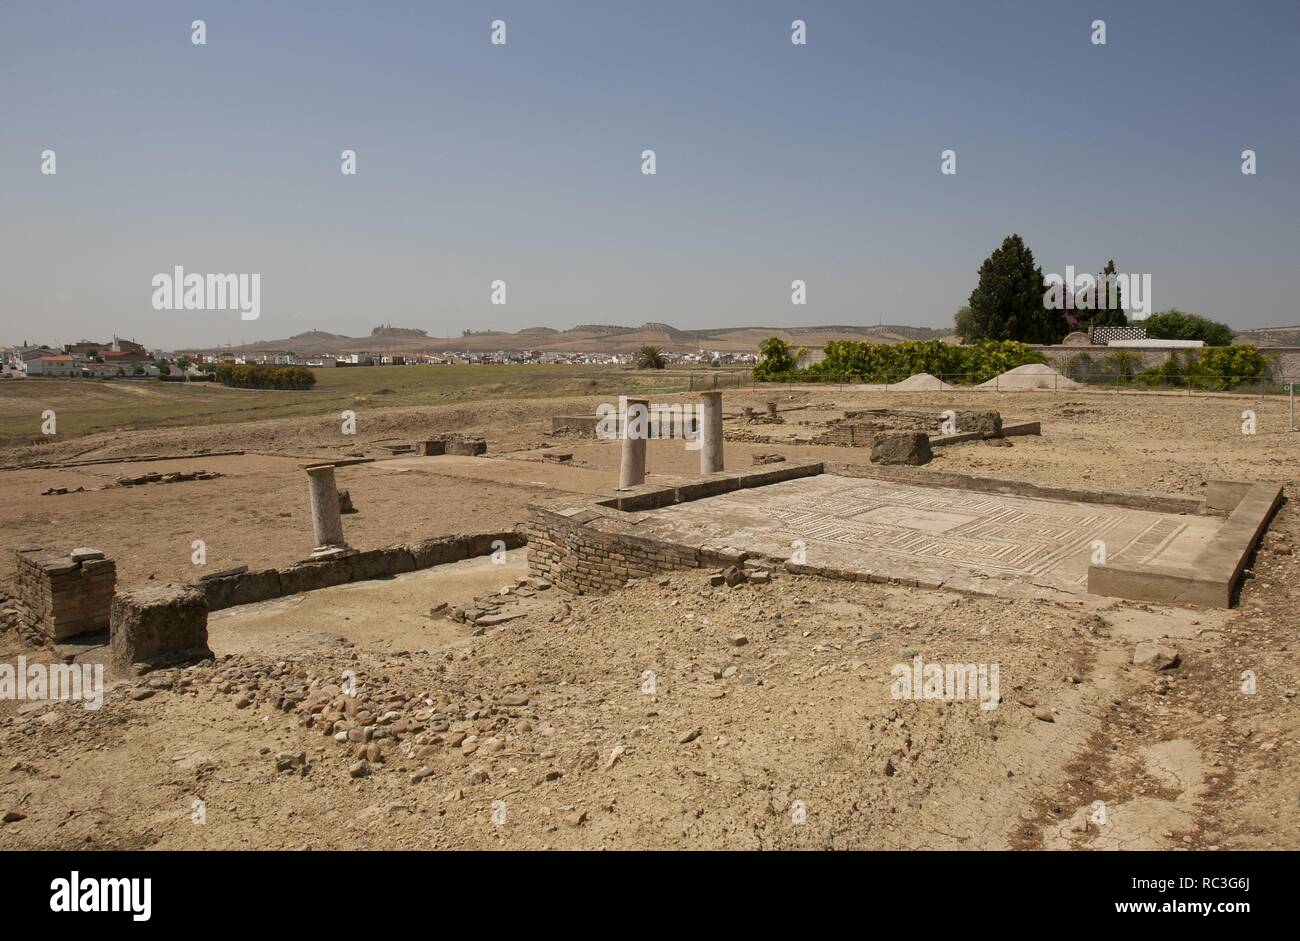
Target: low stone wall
[227,590]
[452,444]
[574,425]
[158,627]
[65,593]
[1158,503]
[583,558]
[1212,577]
[1286,359]
[587,546]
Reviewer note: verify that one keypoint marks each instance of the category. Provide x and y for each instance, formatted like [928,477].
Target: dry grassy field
[88,406]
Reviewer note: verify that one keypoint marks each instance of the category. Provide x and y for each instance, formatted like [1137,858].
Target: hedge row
[265,377]
[893,362]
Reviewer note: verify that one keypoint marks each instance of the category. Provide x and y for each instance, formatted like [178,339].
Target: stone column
[635,426]
[325,520]
[771,411]
[711,433]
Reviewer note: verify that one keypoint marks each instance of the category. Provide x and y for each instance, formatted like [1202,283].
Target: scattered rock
[1155,656]
[287,761]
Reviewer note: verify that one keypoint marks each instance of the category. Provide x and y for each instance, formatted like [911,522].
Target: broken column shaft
[635,422]
[711,433]
[326,523]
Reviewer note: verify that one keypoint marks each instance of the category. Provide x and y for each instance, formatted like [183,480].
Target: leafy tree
[1109,316]
[776,358]
[1174,324]
[965,323]
[650,357]
[1007,304]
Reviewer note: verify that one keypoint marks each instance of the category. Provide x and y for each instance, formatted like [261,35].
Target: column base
[326,553]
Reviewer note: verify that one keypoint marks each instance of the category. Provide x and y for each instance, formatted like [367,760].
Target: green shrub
[1122,366]
[1212,367]
[777,360]
[265,377]
[883,362]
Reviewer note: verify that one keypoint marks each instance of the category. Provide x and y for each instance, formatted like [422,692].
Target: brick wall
[588,547]
[65,596]
[585,560]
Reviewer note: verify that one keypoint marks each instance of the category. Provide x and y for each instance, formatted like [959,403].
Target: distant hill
[1270,336]
[587,338]
[388,330]
[314,335]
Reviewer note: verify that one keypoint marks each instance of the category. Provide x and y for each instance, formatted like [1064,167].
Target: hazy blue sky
[522,162]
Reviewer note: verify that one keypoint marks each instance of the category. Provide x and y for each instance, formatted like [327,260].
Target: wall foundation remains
[65,593]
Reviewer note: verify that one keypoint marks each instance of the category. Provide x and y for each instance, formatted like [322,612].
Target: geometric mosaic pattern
[900,528]
[981,531]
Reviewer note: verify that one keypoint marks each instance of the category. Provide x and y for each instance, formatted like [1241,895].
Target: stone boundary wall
[1286,359]
[223,590]
[63,593]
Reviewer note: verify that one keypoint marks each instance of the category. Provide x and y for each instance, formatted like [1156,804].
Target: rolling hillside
[589,338]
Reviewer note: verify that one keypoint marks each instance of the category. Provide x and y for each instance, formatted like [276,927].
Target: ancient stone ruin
[65,593]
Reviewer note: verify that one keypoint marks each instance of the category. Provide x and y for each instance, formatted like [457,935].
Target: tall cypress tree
[1113,316]
[1007,304]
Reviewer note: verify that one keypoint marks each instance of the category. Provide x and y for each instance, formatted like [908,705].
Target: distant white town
[128,359]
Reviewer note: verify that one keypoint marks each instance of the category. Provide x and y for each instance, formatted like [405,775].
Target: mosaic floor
[874,525]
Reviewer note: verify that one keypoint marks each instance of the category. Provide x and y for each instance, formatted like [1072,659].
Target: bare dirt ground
[542,732]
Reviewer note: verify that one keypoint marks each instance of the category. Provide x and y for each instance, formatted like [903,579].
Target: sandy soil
[538,733]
